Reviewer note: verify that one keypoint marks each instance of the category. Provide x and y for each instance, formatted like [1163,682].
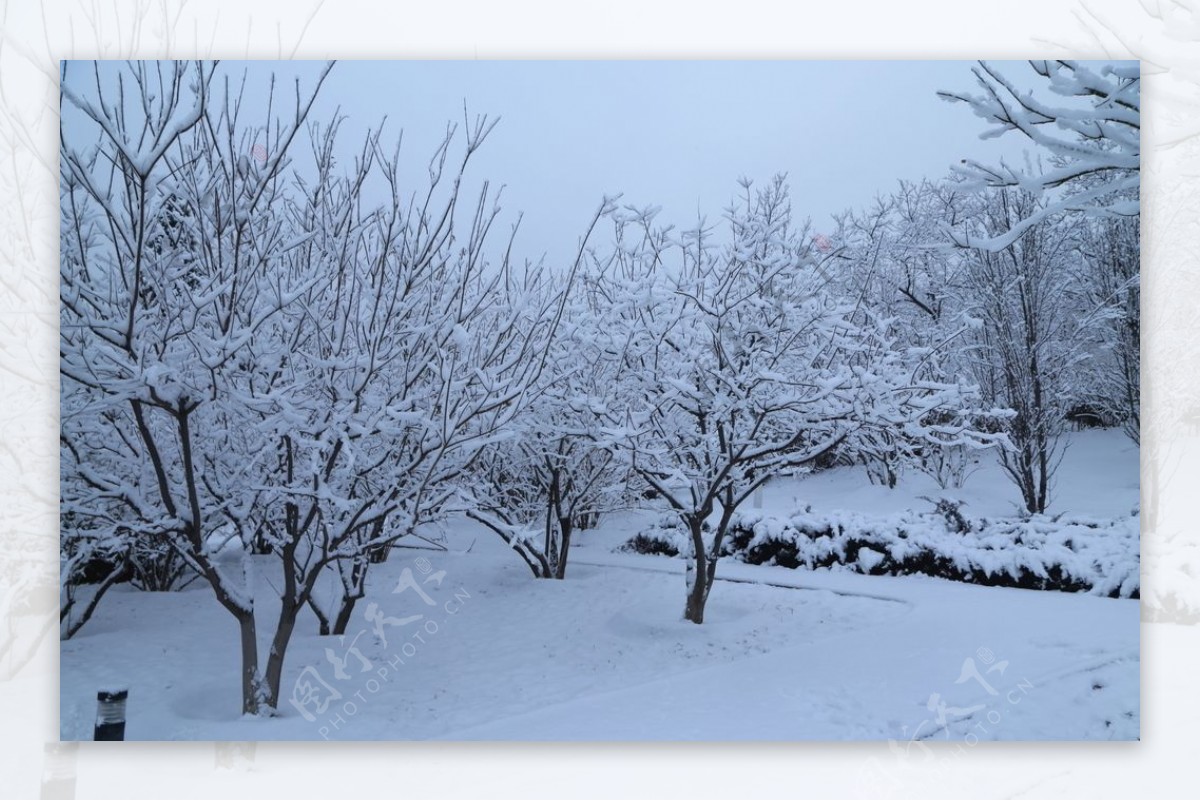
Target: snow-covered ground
[604,654]
[1098,477]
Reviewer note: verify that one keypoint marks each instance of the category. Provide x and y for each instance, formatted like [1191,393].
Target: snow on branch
[1090,132]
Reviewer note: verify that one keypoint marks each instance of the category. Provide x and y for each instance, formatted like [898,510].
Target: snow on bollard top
[110,706]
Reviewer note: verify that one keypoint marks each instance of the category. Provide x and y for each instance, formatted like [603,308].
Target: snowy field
[606,655]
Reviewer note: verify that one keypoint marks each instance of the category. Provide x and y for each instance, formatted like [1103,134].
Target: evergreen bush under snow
[1068,554]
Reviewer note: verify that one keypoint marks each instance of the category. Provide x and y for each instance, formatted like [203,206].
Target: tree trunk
[353,588]
[290,603]
[251,697]
[322,618]
[698,589]
[553,549]
[564,548]
[701,570]
[344,614]
[279,644]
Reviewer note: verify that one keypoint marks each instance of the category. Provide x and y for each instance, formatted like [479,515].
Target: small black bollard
[110,714]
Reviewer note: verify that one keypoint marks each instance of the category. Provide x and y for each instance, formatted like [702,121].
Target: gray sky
[677,134]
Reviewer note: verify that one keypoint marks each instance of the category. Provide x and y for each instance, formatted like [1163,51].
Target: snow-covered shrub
[1041,553]
[668,537]
[654,542]
[951,511]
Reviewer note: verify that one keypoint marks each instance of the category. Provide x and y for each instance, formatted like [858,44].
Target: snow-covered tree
[549,480]
[1084,121]
[302,371]
[895,254]
[118,273]
[1109,275]
[557,473]
[1030,347]
[741,360]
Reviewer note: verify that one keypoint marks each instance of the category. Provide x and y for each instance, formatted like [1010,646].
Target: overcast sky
[677,134]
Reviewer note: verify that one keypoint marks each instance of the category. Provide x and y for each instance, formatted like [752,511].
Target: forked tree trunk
[353,588]
[702,567]
[322,618]
[340,621]
[564,547]
[252,695]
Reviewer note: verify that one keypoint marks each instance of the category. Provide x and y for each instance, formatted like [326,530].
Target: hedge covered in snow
[1041,553]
